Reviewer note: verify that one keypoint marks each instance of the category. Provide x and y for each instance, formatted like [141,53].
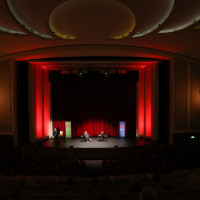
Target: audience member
[147,193]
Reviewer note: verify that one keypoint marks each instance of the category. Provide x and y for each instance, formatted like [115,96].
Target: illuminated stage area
[75,148]
[91,96]
[77,142]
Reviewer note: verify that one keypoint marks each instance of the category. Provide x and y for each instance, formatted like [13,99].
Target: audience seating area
[172,173]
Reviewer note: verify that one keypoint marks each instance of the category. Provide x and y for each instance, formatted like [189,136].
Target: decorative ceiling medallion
[97,19]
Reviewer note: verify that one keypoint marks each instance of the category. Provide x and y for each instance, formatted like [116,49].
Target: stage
[76,148]
[77,142]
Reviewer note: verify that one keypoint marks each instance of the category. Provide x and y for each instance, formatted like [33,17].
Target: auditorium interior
[129,69]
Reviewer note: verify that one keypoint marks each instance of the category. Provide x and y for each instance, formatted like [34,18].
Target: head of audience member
[148,193]
[104,197]
[94,181]
[156,177]
[135,187]
[70,181]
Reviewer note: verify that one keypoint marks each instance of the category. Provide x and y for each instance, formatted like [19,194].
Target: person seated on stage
[86,136]
[101,136]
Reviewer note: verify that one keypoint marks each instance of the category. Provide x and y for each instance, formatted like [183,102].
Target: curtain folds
[94,104]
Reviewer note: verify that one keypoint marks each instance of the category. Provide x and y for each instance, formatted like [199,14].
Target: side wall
[185,101]
[7,106]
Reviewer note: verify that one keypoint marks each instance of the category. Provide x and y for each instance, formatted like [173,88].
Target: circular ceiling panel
[100,19]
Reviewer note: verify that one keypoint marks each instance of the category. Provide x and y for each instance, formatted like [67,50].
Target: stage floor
[75,148]
[110,142]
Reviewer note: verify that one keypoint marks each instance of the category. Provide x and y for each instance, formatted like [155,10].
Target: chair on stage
[102,137]
[82,138]
[85,137]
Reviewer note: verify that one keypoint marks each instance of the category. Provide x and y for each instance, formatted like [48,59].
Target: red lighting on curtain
[148,125]
[39,103]
[141,102]
[92,126]
[145,100]
[94,105]
[60,124]
[46,102]
[63,111]
[41,93]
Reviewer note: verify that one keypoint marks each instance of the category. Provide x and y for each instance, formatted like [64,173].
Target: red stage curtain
[39,98]
[141,105]
[148,99]
[146,111]
[94,104]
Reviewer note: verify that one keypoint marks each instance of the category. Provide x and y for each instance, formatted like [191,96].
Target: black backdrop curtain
[94,103]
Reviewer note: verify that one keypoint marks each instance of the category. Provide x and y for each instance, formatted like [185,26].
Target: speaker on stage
[116,146]
[71,146]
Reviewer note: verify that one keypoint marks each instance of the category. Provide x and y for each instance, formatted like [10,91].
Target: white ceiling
[167,25]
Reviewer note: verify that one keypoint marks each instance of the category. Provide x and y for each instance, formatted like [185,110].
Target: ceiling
[168,25]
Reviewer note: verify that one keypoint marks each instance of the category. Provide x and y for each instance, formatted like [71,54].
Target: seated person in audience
[101,136]
[148,193]
[87,136]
